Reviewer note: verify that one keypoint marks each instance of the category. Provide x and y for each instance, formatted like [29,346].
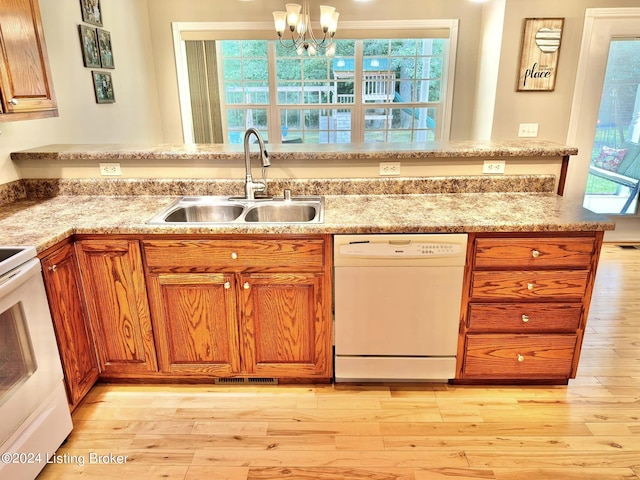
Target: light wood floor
[589,429]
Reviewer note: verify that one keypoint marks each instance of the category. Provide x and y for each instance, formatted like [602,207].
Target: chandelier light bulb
[333,24]
[326,15]
[293,14]
[280,21]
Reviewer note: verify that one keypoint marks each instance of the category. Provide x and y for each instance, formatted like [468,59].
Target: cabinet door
[25,79]
[286,331]
[116,296]
[195,320]
[71,322]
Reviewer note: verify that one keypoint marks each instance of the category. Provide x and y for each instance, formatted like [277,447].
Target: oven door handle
[16,277]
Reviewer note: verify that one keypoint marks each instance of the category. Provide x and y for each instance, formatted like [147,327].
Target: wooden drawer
[301,254]
[527,253]
[519,356]
[524,317]
[529,284]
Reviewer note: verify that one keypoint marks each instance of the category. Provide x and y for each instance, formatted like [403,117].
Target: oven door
[29,363]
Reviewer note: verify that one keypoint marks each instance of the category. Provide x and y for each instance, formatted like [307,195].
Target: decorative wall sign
[539,56]
[89,44]
[103,86]
[91,12]
[104,45]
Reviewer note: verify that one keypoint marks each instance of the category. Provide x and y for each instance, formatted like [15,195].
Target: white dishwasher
[397,306]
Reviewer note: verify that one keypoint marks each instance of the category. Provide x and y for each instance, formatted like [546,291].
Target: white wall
[134,118]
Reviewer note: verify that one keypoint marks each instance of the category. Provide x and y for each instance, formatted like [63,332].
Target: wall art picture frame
[89,45]
[104,45]
[103,87]
[91,12]
[541,40]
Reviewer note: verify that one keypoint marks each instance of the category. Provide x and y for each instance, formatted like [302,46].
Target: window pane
[316,126]
[238,120]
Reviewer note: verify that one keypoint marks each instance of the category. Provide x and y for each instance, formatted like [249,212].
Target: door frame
[600,25]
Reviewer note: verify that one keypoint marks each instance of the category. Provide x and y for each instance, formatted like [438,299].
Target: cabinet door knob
[520,358]
[53,268]
[530,286]
[246,285]
[525,318]
[234,255]
[535,253]
[227,285]
[13,101]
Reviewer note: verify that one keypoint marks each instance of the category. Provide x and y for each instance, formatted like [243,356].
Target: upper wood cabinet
[116,295]
[26,86]
[70,321]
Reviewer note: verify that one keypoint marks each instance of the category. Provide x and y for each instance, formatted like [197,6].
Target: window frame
[264,31]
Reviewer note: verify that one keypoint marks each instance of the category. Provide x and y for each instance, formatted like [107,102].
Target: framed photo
[103,86]
[104,45]
[89,44]
[91,12]
[538,66]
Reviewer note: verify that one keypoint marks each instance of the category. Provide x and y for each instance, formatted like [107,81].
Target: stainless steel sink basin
[225,210]
[204,213]
[280,212]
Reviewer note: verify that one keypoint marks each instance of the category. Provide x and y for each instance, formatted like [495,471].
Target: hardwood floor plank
[197,472]
[337,459]
[329,473]
[565,474]
[554,459]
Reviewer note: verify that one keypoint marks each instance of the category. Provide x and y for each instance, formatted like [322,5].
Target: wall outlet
[528,130]
[493,166]
[112,169]
[389,168]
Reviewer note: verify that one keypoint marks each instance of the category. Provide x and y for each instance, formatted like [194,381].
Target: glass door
[613,181]
[17,362]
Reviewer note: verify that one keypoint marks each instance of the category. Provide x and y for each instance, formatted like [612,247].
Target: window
[385,89]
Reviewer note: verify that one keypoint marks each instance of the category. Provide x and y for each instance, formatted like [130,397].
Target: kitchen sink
[206,213]
[282,212]
[226,210]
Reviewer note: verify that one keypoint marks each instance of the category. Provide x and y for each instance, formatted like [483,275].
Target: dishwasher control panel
[439,249]
[399,249]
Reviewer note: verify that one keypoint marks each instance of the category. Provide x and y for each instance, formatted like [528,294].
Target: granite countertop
[441,149]
[43,222]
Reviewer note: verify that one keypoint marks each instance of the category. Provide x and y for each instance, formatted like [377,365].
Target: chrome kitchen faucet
[251,187]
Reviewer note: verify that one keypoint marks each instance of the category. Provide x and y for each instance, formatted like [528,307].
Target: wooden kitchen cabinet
[70,321]
[259,306]
[115,289]
[196,323]
[26,86]
[284,325]
[525,306]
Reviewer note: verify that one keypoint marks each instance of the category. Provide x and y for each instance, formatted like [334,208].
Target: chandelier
[298,21]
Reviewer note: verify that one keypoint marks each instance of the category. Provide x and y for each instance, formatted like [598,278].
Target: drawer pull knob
[525,318]
[53,268]
[246,285]
[520,358]
[13,101]
[227,285]
[535,253]
[234,255]
[530,286]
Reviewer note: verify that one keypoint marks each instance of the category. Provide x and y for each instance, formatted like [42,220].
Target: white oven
[34,413]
